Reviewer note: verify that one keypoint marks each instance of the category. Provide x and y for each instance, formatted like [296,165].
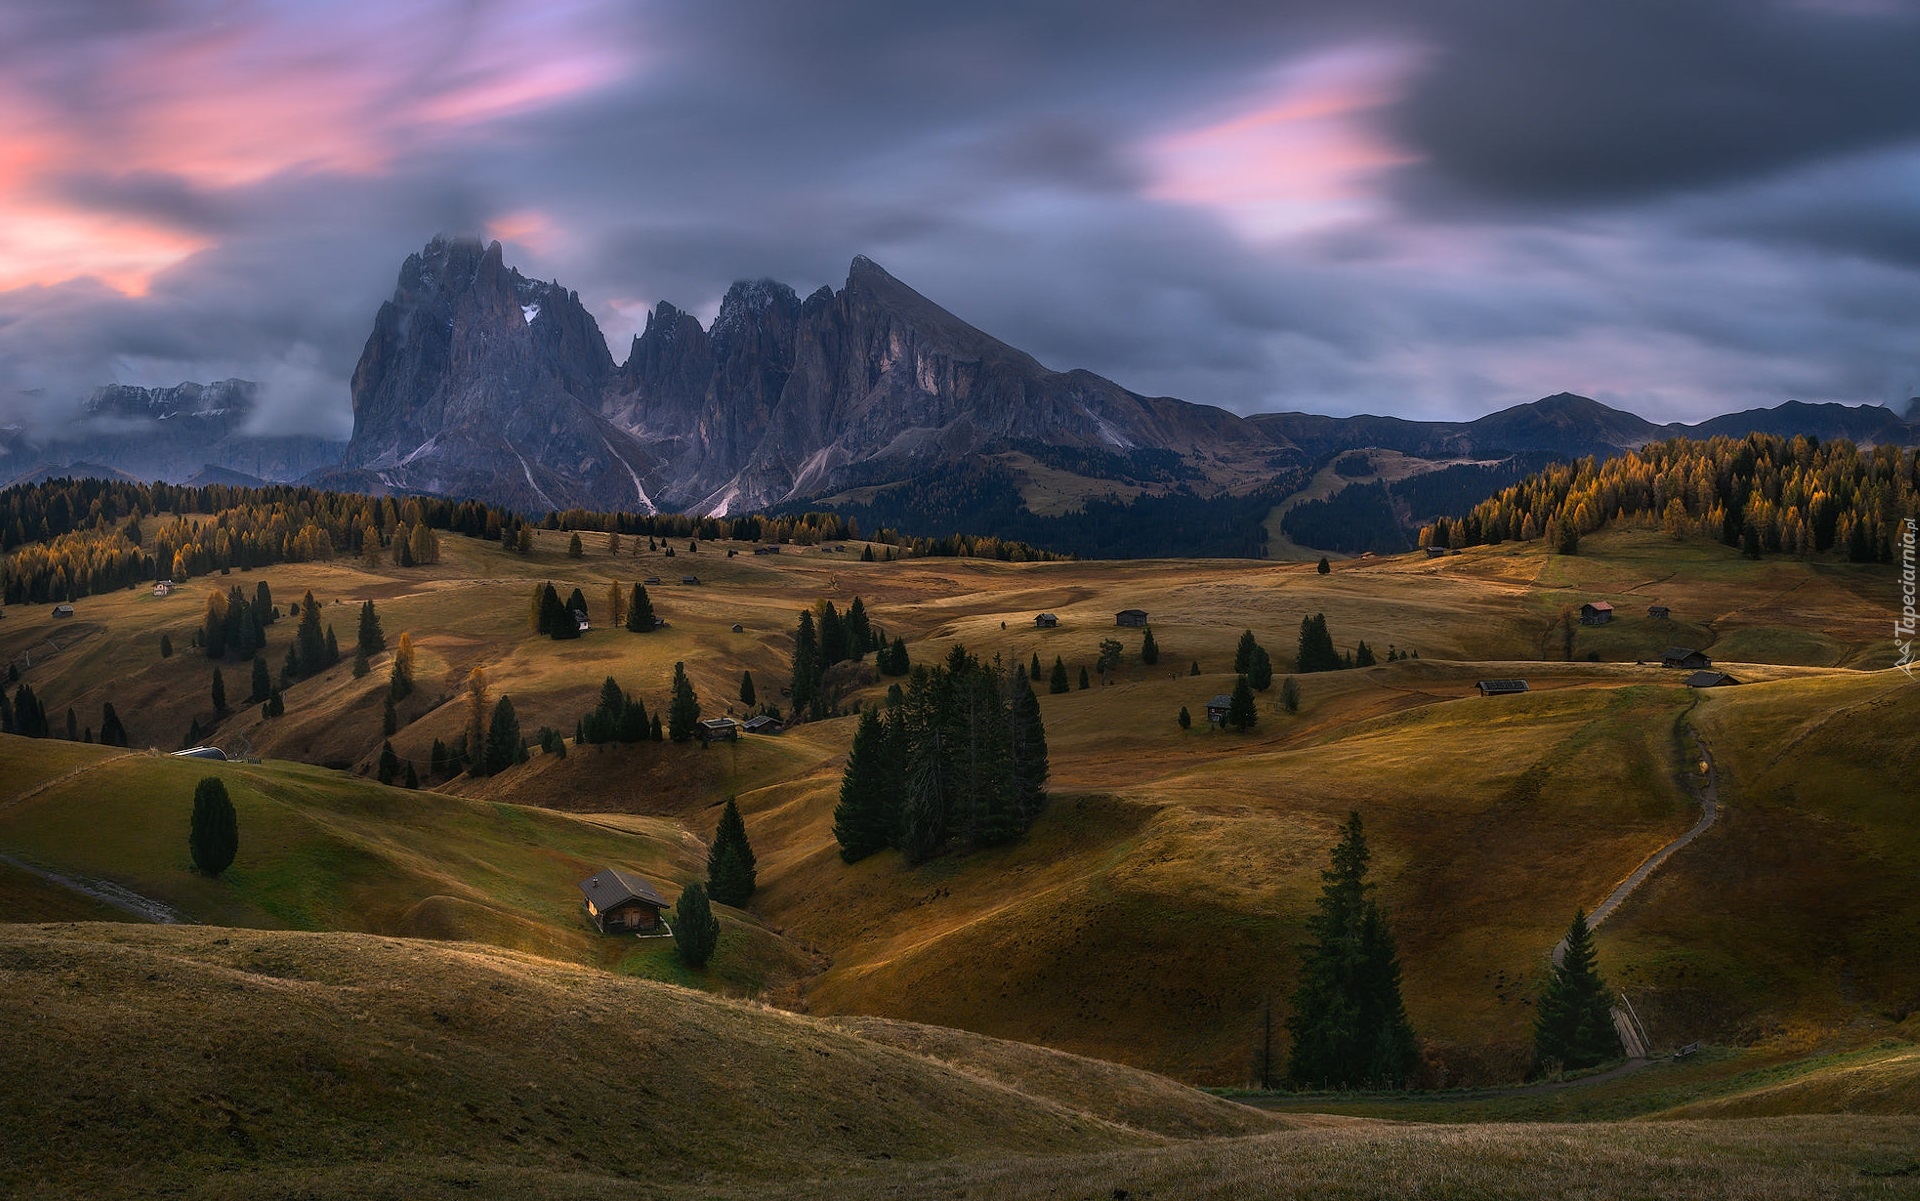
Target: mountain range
[478,381]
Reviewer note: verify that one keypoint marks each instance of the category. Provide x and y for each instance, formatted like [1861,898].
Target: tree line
[1762,493]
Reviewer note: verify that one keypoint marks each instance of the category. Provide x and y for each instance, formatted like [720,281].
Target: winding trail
[107,893]
[55,782]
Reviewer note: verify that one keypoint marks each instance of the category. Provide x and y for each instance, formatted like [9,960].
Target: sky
[1430,208]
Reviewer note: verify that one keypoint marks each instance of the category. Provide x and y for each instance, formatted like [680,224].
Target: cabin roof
[1681,652]
[1220,701]
[1501,687]
[1709,679]
[1599,606]
[610,888]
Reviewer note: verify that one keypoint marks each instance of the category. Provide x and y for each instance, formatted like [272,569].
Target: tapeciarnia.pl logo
[1903,629]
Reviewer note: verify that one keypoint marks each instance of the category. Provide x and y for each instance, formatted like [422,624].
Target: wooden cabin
[1501,687]
[1136,618]
[63,610]
[1684,659]
[1710,679]
[618,902]
[1596,613]
[1217,709]
[762,725]
[1659,613]
[1046,621]
[719,729]
[689,579]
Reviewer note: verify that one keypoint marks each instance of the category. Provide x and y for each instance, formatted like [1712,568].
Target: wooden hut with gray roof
[620,902]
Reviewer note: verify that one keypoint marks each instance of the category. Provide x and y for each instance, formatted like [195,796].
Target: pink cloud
[253,90]
[1299,155]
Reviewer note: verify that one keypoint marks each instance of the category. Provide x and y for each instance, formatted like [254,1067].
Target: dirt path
[107,893]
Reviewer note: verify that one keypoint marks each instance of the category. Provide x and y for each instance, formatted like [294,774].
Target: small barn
[1046,621]
[1436,552]
[1684,659]
[1501,687]
[652,579]
[618,902]
[1131,617]
[762,725]
[63,610]
[719,729]
[163,588]
[1596,613]
[1659,612]
[738,628]
[689,579]
[1217,709]
[580,619]
[1710,679]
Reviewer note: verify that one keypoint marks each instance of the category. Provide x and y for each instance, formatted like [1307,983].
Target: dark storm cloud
[1586,103]
[1681,208]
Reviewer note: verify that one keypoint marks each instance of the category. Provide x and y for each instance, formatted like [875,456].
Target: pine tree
[922,826]
[1057,679]
[747,694]
[1260,670]
[1028,739]
[360,665]
[552,613]
[213,833]
[389,764]
[683,711]
[640,611]
[1242,714]
[1316,651]
[1194,670]
[166,646]
[412,778]
[696,932]
[1349,1024]
[574,549]
[1149,649]
[262,681]
[1363,655]
[112,733]
[475,737]
[859,631]
[400,676]
[1324,566]
[1086,681]
[333,648]
[1243,653]
[1186,718]
[806,663]
[503,748]
[1290,695]
[371,638]
[73,721]
[276,705]
[731,869]
[263,603]
[219,692]
[389,719]
[308,654]
[1573,1026]
[1033,668]
[861,822]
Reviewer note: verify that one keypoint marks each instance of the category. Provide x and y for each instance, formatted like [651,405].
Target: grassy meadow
[1151,917]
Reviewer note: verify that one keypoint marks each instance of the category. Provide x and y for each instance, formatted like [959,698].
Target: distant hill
[172,434]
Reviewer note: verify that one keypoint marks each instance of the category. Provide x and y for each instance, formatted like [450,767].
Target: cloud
[1438,208]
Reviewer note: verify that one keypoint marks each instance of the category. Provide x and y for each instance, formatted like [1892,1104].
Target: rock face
[186,433]
[477,381]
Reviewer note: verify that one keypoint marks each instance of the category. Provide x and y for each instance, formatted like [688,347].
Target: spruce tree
[219,692]
[112,733]
[1316,651]
[412,777]
[640,611]
[1363,655]
[502,749]
[922,826]
[333,648]
[308,654]
[731,868]
[388,766]
[696,932]
[1057,680]
[1573,1026]
[1243,653]
[860,820]
[1324,566]
[1086,681]
[1033,668]
[859,631]
[901,666]
[1242,714]
[1260,670]
[747,694]
[1194,670]
[1028,738]
[371,638]
[213,833]
[806,663]
[683,711]
[166,646]
[1185,719]
[1149,649]
[1349,1024]
[389,719]
[262,680]
[574,549]
[1290,695]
